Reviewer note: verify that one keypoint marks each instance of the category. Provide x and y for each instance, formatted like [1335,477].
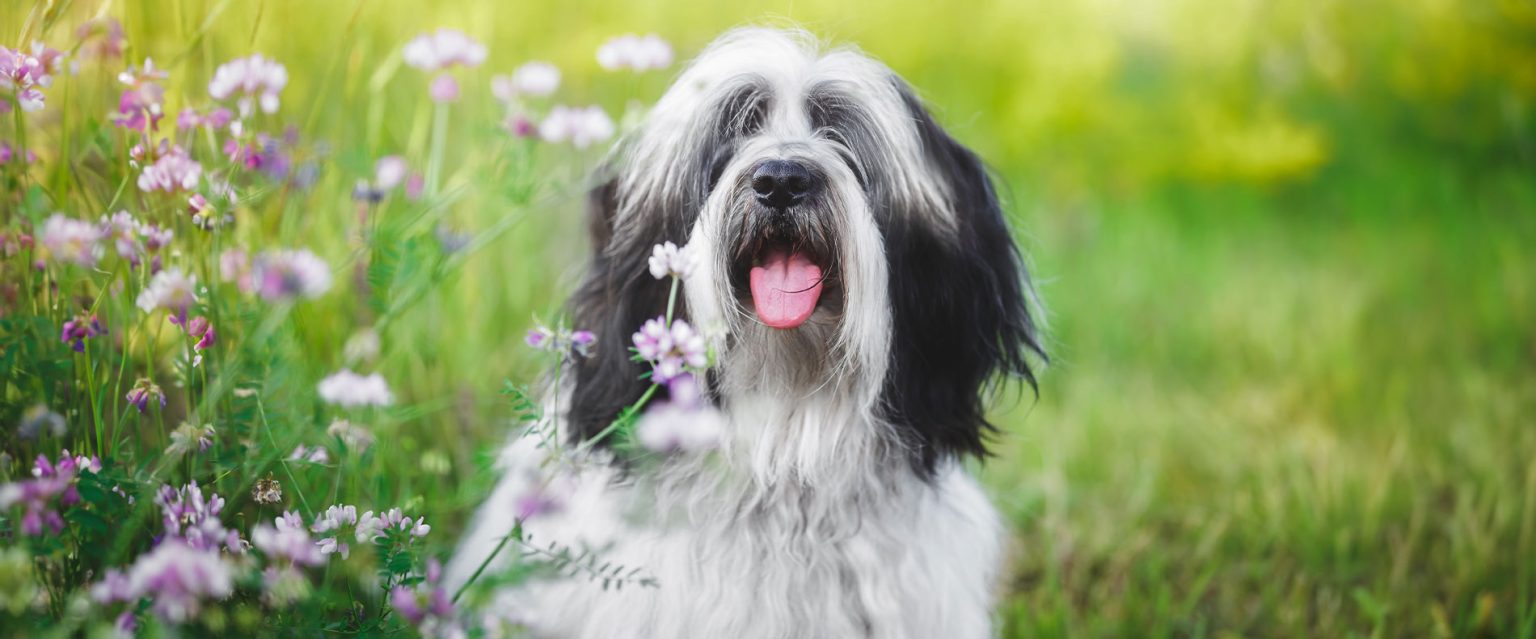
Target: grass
[1291,320]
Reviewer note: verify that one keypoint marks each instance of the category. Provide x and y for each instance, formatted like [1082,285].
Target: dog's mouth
[786,285]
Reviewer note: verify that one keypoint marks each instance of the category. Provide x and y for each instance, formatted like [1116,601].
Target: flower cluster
[23,77]
[439,51]
[171,172]
[52,486]
[348,390]
[561,340]
[372,527]
[177,576]
[139,107]
[280,275]
[188,437]
[170,290]
[288,549]
[671,350]
[134,239]
[253,79]
[582,127]
[79,329]
[685,422]
[667,260]
[194,519]
[71,240]
[144,392]
[428,606]
[637,53]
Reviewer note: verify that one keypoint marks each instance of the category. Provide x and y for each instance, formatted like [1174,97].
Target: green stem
[517,532]
[439,140]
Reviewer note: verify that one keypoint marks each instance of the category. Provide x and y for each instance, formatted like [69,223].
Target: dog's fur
[836,504]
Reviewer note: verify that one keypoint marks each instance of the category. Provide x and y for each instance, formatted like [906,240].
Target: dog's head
[850,251]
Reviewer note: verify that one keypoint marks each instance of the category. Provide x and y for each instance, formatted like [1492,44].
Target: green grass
[1289,275]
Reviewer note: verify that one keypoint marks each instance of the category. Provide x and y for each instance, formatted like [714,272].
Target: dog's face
[850,252]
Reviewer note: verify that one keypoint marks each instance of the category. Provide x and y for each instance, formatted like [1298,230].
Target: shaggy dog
[858,285]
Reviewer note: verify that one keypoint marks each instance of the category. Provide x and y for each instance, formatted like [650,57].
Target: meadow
[1284,248]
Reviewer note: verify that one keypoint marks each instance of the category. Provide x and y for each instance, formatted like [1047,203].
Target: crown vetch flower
[582,127]
[140,106]
[670,350]
[685,422]
[79,329]
[71,240]
[340,522]
[316,455]
[428,606]
[101,38]
[356,438]
[638,53]
[348,389]
[668,260]
[174,171]
[194,519]
[442,49]
[533,79]
[177,577]
[52,486]
[285,274]
[143,393]
[171,290]
[288,548]
[22,76]
[188,436]
[254,78]
[544,339]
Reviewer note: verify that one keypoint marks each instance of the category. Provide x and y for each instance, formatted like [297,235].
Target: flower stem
[439,139]
[517,532]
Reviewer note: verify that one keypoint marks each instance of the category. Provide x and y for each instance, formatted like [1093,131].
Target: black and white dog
[836,504]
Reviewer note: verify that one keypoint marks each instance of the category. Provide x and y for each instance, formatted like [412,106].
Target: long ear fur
[960,303]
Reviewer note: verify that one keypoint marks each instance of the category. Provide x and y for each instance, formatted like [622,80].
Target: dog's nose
[782,183]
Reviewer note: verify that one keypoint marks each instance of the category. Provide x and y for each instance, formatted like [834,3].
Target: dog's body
[836,504]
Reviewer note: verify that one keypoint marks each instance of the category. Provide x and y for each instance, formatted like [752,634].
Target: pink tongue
[785,289]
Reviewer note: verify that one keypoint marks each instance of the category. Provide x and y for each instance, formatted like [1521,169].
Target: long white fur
[808,521]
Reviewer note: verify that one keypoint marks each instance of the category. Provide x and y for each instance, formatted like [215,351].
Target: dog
[837,503]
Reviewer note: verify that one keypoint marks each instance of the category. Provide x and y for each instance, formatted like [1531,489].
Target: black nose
[782,183]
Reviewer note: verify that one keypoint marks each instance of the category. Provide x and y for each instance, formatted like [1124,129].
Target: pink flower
[533,79]
[444,89]
[79,329]
[634,52]
[428,607]
[172,172]
[171,290]
[101,38]
[283,541]
[193,519]
[217,118]
[582,127]
[71,240]
[340,522]
[442,49]
[176,576]
[253,78]
[286,274]
[143,393]
[139,106]
[670,350]
[22,76]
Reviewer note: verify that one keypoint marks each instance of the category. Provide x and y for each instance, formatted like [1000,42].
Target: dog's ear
[961,303]
[617,296]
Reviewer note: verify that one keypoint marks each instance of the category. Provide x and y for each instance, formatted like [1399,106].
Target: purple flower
[371,527]
[667,260]
[638,53]
[194,519]
[670,350]
[428,606]
[101,38]
[285,274]
[286,542]
[177,577]
[71,240]
[144,392]
[52,486]
[174,171]
[316,455]
[21,75]
[171,290]
[235,266]
[442,49]
[521,126]
[79,329]
[187,437]
[139,106]
[38,421]
[683,423]
[216,118]
[340,522]
[562,341]
[348,389]
[582,127]
[253,78]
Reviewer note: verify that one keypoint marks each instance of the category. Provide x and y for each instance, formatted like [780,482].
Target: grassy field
[1287,250]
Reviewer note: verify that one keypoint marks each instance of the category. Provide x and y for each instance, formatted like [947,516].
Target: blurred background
[1287,251]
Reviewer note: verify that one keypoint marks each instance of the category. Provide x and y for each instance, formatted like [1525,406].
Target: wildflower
[521,126]
[52,486]
[285,274]
[443,49]
[670,350]
[187,436]
[316,455]
[139,107]
[101,38]
[339,521]
[582,127]
[21,75]
[389,172]
[216,118]
[194,519]
[428,606]
[200,328]
[288,548]
[533,79]
[176,576]
[683,423]
[544,339]
[204,215]
[235,266]
[356,438]
[444,89]
[253,78]
[667,260]
[348,389]
[638,53]
[143,393]
[39,420]
[414,185]
[266,491]
[171,290]
[172,172]
[72,240]
[372,527]
[79,329]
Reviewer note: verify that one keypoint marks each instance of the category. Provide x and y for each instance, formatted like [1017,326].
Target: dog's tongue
[785,288]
